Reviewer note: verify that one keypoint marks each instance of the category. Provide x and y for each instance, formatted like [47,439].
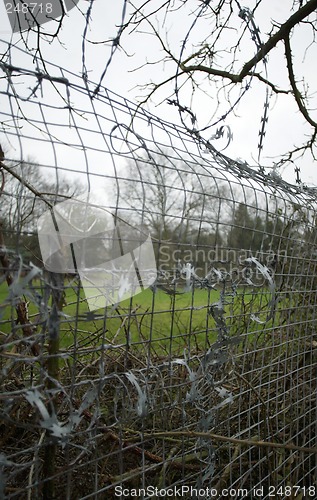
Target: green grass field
[170,322]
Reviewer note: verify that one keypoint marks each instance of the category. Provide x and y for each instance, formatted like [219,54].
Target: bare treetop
[210,62]
[228,49]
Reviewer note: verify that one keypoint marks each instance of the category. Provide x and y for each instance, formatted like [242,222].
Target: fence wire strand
[207,378]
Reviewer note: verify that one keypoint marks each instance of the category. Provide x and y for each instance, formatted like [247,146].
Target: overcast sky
[285,125]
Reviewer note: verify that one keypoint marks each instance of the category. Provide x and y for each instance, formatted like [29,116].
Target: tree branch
[283,32]
[297,95]
[270,84]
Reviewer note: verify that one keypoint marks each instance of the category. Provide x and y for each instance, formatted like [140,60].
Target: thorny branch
[213,48]
[297,95]
[271,43]
[213,55]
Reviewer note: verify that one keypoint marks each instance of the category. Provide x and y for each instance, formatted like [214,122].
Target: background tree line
[184,209]
[25,190]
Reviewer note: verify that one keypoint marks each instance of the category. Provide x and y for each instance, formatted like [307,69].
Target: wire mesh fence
[203,385]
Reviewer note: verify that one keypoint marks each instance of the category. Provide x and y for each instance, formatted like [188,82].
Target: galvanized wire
[205,380]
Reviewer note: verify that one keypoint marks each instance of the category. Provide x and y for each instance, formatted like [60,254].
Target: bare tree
[228,49]
[171,201]
[25,195]
[179,207]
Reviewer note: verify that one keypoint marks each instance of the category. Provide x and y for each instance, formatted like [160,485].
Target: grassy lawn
[170,322]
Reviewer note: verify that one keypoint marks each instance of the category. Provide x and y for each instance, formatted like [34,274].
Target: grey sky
[285,125]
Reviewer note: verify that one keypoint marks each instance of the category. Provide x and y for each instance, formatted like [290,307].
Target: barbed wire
[191,382]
